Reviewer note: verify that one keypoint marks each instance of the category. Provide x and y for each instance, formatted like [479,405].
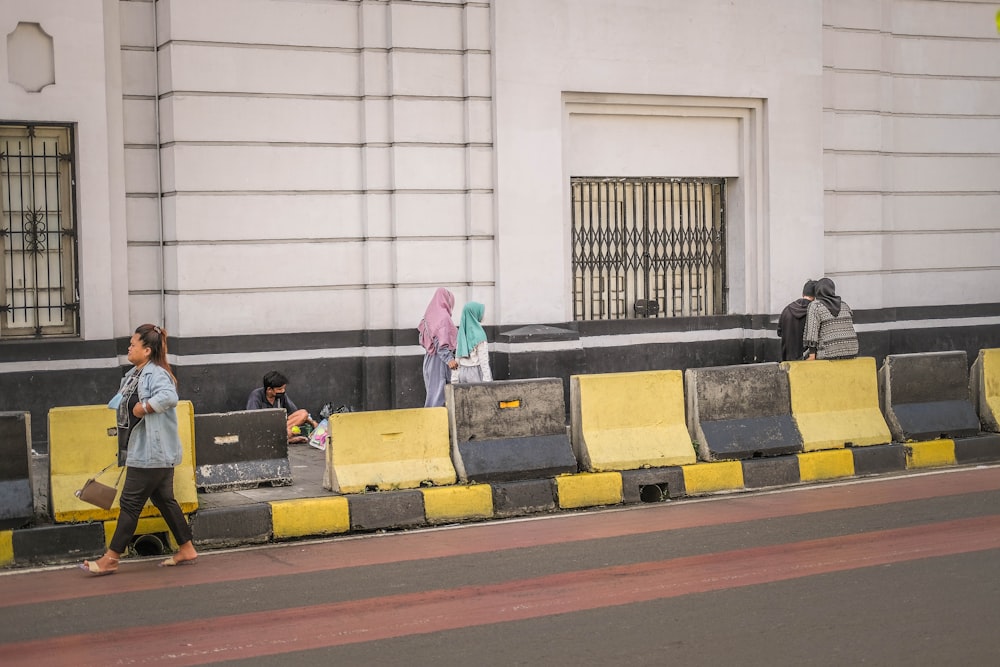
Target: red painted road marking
[281,631]
[34,587]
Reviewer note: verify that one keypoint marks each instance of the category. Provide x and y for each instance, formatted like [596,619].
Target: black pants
[142,484]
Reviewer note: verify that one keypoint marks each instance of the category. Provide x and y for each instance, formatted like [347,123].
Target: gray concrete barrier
[925,396]
[509,430]
[740,412]
[241,450]
[17,497]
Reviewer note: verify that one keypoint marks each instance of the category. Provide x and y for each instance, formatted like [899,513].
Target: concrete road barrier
[740,412]
[241,450]
[83,440]
[388,449]
[509,430]
[984,383]
[835,403]
[626,421]
[926,396]
[17,487]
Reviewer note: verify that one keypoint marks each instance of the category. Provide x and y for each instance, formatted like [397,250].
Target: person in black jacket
[792,324]
[273,395]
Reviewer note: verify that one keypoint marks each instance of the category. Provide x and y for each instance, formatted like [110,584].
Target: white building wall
[87,92]
[912,151]
[661,68]
[138,102]
[326,165]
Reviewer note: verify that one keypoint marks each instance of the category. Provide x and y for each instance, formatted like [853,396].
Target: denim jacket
[155,441]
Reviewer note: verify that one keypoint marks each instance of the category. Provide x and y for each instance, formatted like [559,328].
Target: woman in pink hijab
[438,337]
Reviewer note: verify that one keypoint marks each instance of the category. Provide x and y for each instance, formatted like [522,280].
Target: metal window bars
[648,247]
[38,235]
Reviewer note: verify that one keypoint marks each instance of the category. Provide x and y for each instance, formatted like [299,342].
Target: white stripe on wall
[589,342]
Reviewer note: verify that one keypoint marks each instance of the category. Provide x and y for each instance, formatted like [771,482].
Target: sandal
[91,567]
[172,561]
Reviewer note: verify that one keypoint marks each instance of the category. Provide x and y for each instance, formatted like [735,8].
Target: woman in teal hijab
[472,351]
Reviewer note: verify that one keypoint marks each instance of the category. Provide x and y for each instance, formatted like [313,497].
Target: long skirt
[436,375]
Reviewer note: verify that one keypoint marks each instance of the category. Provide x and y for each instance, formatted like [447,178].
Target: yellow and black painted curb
[276,521]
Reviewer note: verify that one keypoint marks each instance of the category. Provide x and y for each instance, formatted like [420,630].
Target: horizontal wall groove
[318,144]
[908,36]
[905,75]
[928,269]
[911,232]
[883,153]
[316,96]
[318,240]
[374,191]
[351,287]
[916,193]
[349,50]
[909,114]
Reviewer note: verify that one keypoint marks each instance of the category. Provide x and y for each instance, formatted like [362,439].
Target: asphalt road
[892,571]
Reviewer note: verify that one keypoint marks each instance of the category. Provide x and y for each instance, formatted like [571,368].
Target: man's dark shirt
[258,401]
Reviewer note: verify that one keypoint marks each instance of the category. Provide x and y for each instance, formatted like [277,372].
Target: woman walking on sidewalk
[438,338]
[149,447]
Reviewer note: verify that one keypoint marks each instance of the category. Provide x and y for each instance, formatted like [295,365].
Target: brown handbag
[99,494]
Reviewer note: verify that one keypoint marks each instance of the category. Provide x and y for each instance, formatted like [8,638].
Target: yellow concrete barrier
[310,516]
[835,403]
[709,477]
[388,449]
[589,489]
[985,385]
[82,441]
[457,503]
[829,464]
[626,421]
[930,454]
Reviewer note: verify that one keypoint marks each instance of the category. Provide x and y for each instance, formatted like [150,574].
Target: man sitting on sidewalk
[272,395]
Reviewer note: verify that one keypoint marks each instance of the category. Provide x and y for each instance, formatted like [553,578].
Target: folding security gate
[648,247]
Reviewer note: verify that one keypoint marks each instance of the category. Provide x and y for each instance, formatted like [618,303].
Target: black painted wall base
[371,382]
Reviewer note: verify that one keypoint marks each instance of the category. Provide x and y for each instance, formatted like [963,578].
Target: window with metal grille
[648,247]
[38,280]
